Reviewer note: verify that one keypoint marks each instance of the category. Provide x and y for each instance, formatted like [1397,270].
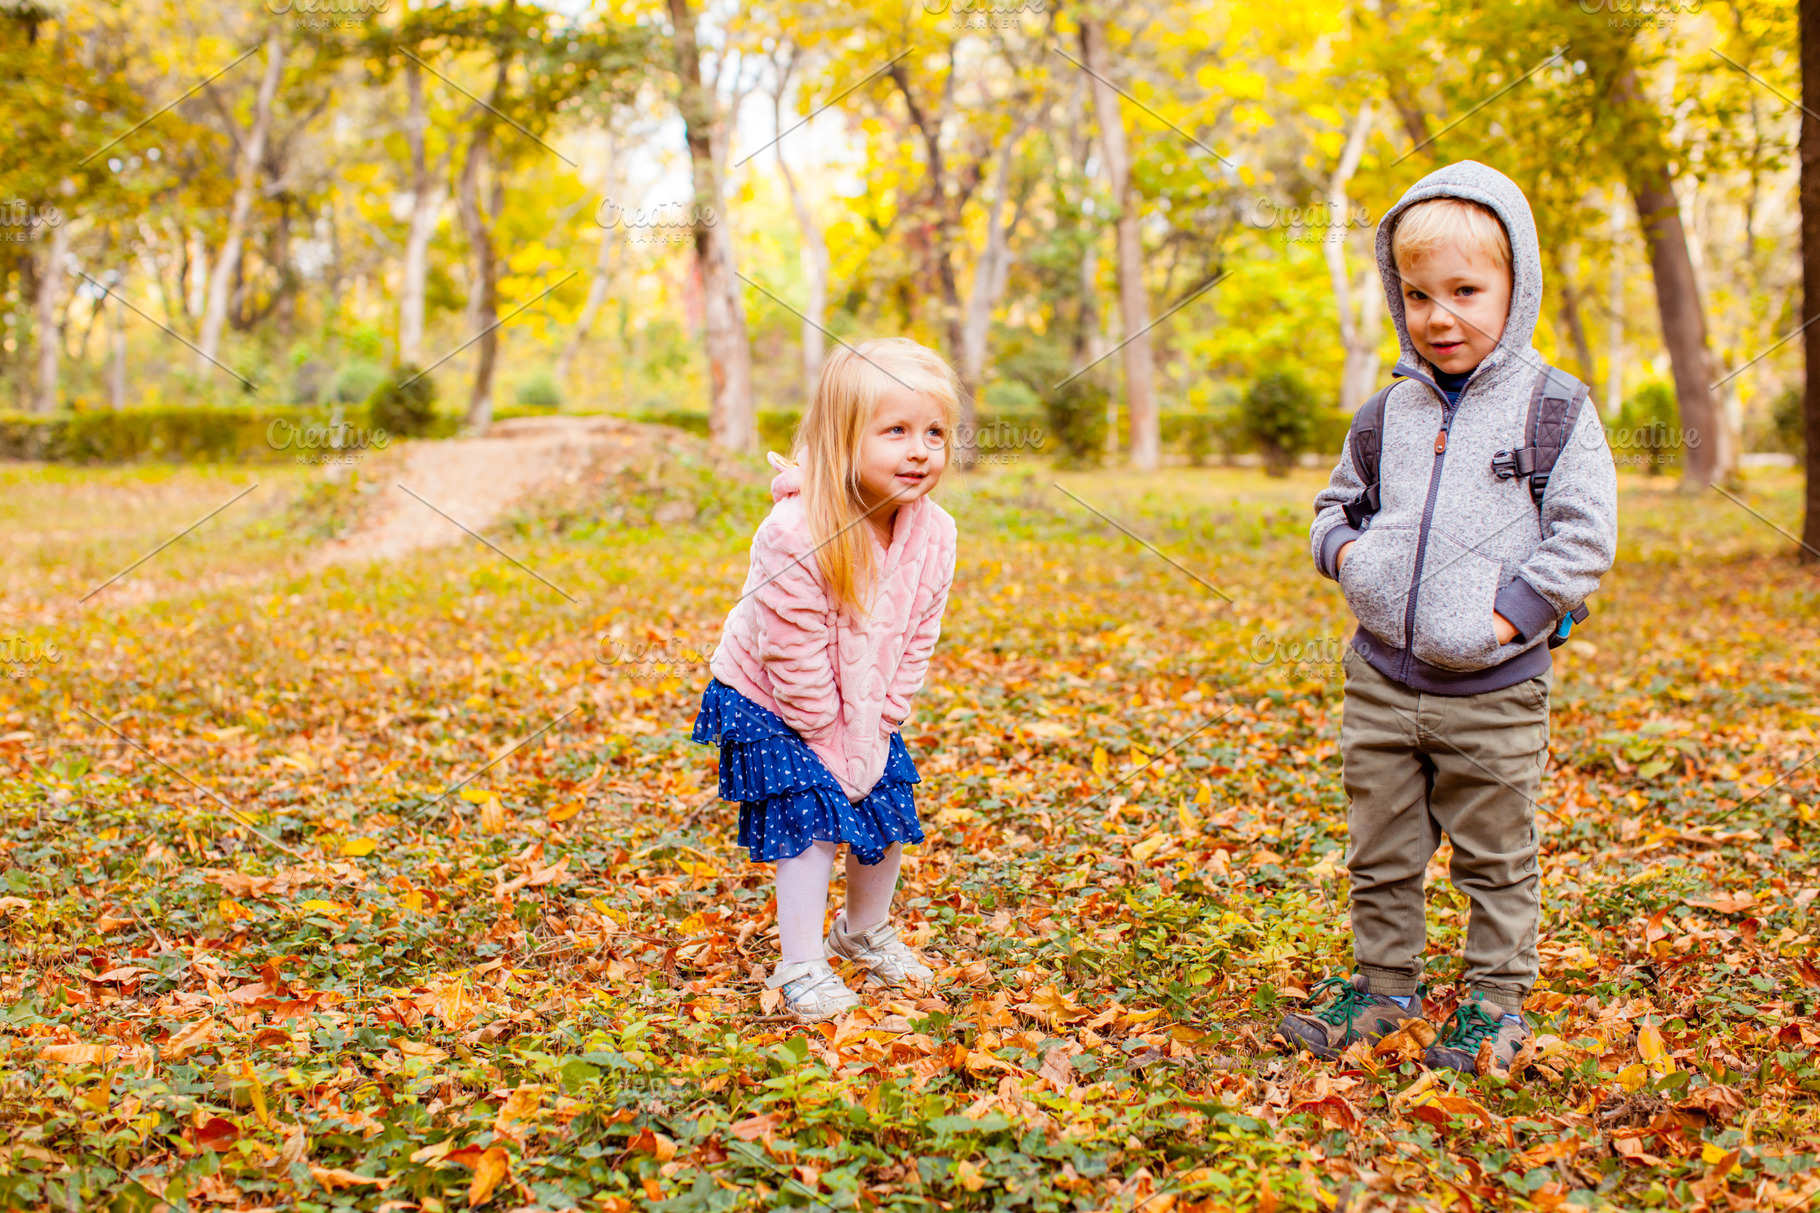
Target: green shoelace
[1469,1026]
[1347,1004]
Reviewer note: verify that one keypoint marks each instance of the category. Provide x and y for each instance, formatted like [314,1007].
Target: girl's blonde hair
[828,443]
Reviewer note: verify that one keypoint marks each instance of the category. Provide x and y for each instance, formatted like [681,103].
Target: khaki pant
[1417,766]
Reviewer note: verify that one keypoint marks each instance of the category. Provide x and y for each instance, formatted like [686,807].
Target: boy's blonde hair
[1449,222]
[828,443]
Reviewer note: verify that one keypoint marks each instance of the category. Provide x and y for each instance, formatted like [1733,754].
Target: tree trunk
[1358,334]
[1709,455]
[1134,301]
[989,278]
[732,424]
[50,332]
[1570,313]
[941,234]
[116,395]
[1809,17]
[599,284]
[227,264]
[483,291]
[426,205]
[1614,333]
[1091,343]
[815,271]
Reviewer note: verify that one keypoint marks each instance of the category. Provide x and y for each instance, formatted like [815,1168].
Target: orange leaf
[491,1167]
[654,1144]
[335,1177]
[754,1127]
[520,1107]
[79,1055]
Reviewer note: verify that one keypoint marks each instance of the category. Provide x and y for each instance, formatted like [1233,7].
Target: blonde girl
[821,656]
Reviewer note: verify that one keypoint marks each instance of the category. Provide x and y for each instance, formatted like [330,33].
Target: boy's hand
[1339,557]
[1500,626]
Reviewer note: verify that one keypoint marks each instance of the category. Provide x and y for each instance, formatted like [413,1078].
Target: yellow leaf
[354,848]
[1203,795]
[969,1176]
[412,901]
[435,1153]
[453,1006]
[492,816]
[476,795]
[1138,756]
[1101,763]
[1150,846]
[1632,1077]
[246,1067]
[1649,1043]
[315,906]
[563,812]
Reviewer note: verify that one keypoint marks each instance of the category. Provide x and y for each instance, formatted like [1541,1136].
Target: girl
[820,657]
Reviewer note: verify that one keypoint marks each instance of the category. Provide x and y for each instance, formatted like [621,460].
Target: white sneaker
[888,960]
[812,990]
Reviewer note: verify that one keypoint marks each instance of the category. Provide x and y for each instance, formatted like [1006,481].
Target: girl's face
[903,452]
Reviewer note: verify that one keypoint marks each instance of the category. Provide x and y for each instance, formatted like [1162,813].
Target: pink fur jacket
[843,684]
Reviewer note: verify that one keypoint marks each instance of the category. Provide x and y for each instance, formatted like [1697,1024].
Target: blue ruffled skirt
[788,797]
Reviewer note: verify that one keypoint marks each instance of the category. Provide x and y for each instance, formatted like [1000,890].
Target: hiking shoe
[1355,1014]
[1475,1024]
[888,960]
[812,990]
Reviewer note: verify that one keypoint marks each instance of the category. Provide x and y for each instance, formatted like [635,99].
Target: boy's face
[904,449]
[1455,305]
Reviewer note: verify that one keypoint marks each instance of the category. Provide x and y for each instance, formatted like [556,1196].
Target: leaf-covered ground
[276,934]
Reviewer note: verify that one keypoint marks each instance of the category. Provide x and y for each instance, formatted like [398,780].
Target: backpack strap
[1554,411]
[1366,442]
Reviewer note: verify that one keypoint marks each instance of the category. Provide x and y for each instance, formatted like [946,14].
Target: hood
[1479,183]
[789,479]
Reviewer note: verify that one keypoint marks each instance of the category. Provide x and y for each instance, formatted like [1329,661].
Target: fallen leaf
[335,1177]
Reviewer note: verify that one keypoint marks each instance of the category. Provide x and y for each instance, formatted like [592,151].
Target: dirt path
[472,481]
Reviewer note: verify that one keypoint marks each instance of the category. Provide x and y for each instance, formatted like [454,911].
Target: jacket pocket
[1459,588]
[1375,579]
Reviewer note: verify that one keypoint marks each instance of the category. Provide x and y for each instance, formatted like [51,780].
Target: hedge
[186,435]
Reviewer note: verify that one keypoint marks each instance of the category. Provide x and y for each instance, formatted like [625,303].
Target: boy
[1457,580]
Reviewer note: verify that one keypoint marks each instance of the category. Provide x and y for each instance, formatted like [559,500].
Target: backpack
[1554,410]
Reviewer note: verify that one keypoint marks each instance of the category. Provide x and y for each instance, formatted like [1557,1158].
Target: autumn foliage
[401,885]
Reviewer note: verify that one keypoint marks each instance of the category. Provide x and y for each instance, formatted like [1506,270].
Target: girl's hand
[1339,557]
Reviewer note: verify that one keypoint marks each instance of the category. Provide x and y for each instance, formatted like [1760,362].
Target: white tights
[802,896]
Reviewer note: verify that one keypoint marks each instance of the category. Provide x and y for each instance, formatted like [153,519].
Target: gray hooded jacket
[1451,542]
